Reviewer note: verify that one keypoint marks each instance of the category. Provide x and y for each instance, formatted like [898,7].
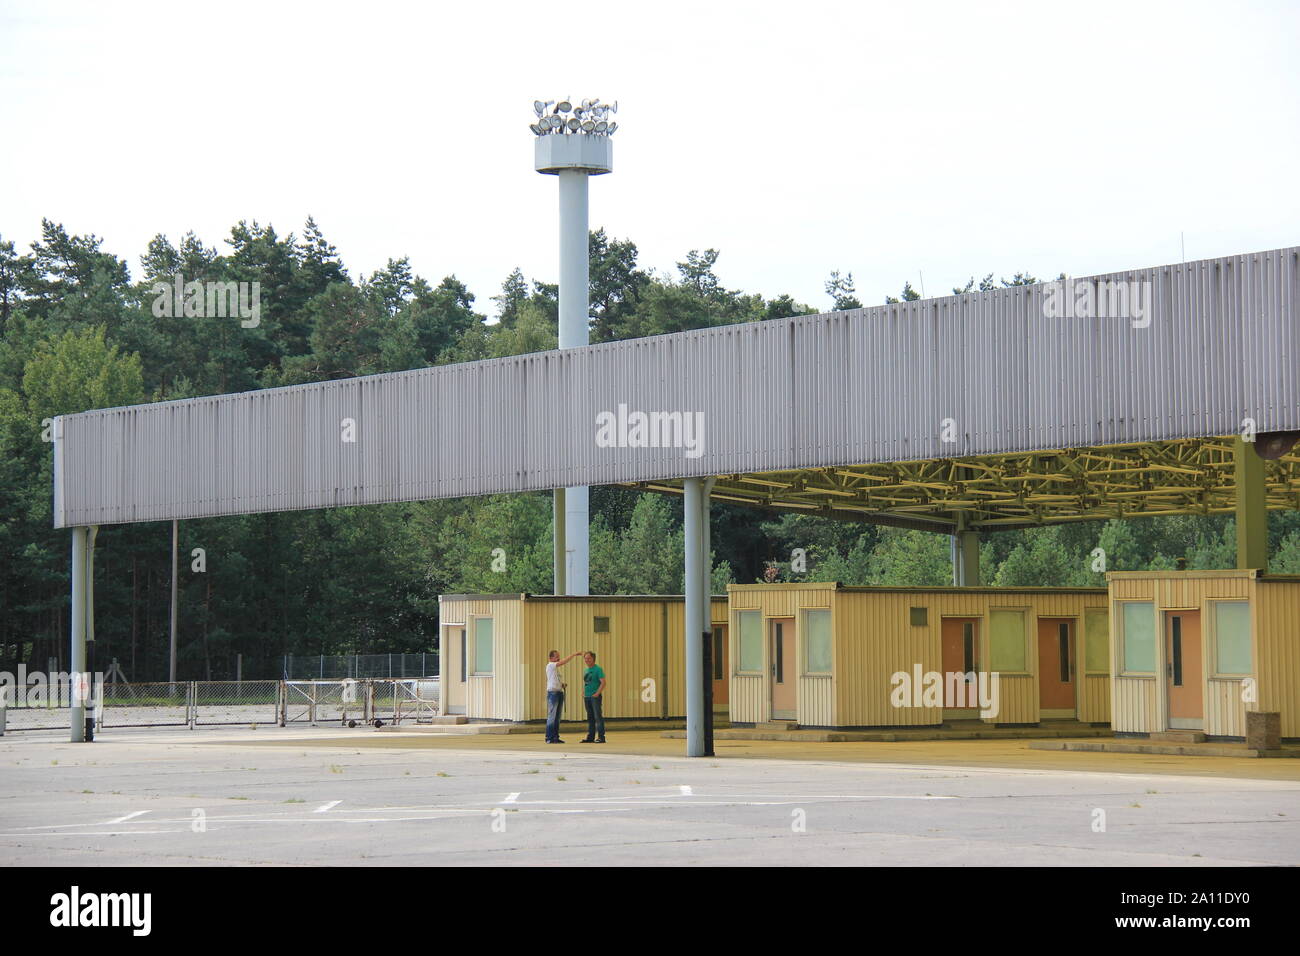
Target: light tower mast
[573,143]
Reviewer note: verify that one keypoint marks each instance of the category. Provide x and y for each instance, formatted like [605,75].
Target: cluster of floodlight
[562,117]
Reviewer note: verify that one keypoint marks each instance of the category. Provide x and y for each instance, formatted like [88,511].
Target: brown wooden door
[1183,669]
[1056,671]
[782,665]
[959,638]
[721,670]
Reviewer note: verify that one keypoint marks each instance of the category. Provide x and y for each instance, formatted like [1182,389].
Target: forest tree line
[78,331]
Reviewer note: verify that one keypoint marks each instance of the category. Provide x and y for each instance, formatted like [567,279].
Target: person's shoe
[601,740]
[557,741]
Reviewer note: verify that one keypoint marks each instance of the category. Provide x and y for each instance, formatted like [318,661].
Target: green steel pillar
[966,559]
[1252,507]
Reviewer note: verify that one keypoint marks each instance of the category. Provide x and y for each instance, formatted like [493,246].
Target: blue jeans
[595,717]
[554,706]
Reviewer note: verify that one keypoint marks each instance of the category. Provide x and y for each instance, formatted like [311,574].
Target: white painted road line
[327,806]
[129,816]
[511,798]
[686,790]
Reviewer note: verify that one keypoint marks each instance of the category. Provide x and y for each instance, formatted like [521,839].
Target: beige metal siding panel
[1277,652]
[479,698]
[1017,700]
[1225,712]
[872,644]
[816,701]
[1133,705]
[749,702]
[1095,705]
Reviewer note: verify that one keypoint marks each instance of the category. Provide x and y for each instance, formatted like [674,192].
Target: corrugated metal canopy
[953,379]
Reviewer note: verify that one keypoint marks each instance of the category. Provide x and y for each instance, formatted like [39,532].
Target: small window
[1063,652]
[778,651]
[920,616]
[483,645]
[968,647]
[751,642]
[1232,637]
[817,642]
[717,653]
[600,625]
[1177,641]
[1096,640]
[1007,642]
[1138,632]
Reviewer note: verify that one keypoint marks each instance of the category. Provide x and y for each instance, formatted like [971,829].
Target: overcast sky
[923,141]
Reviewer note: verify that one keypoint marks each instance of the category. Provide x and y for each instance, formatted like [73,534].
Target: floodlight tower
[573,143]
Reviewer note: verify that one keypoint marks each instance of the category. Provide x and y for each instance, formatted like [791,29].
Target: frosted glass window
[1007,642]
[817,642]
[1139,637]
[1096,640]
[751,641]
[1232,637]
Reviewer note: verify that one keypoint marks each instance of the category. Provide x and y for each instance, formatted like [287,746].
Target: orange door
[1183,668]
[784,696]
[1056,663]
[958,638]
[721,675]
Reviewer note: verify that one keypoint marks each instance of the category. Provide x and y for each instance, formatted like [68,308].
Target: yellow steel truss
[1186,476]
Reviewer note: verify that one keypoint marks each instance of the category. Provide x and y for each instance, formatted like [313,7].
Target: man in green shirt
[593,696]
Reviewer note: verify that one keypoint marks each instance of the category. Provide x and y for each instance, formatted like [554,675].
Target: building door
[721,672]
[1183,669]
[1056,670]
[453,670]
[959,638]
[784,694]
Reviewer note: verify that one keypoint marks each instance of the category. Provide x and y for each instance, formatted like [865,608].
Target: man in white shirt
[555,694]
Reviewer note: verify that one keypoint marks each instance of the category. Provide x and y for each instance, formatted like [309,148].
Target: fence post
[192,706]
[283,702]
[4,707]
[322,667]
[311,703]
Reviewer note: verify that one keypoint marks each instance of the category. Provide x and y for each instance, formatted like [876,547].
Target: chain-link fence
[235,702]
[335,667]
[360,701]
[159,704]
[211,703]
